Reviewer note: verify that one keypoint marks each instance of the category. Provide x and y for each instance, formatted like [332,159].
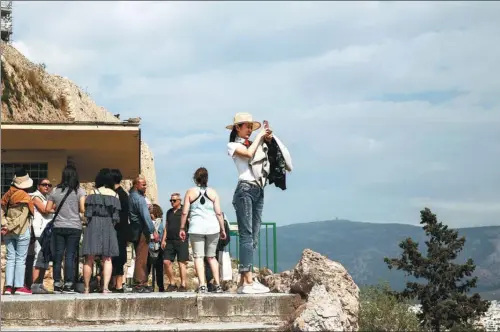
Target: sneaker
[250,289]
[210,287]
[217,289]
[172,288]
[68,289]
[39,289]
[202,289]
[260,287]
[118,290]
[126,288]
[246,289]
[8,290]
[23,291]
[161,290]
[58,289]
[182,289]
[141,289]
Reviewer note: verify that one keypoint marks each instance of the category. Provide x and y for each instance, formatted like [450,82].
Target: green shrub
[381,311]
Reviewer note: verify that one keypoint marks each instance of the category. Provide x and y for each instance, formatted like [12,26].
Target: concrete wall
[152,308]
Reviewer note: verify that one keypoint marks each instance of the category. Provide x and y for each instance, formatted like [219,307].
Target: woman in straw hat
[248,199]
[16,226]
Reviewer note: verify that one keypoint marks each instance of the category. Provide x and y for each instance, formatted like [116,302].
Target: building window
[37,171]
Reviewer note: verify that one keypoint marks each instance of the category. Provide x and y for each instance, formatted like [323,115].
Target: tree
[445,304]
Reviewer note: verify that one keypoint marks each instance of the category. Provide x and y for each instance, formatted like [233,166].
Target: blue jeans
[66,242]
[17,250]
[248,202]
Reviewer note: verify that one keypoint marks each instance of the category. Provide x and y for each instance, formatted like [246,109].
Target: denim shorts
[36,250]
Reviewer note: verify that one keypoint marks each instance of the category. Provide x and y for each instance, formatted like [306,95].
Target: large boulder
[279,282]
[341,297]
[322,312]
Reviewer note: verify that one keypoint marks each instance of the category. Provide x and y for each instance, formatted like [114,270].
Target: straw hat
[22,180]
[242,118]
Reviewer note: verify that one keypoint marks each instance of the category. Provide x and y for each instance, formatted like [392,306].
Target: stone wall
[149,172]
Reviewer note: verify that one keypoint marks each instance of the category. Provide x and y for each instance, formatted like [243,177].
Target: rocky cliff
[330,295]
[30,94]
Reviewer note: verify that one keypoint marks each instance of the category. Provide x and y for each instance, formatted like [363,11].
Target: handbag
[18,219]
[225,269]
[155,251]
[46,236]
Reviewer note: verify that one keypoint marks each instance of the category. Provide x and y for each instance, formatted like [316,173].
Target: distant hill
[361,248]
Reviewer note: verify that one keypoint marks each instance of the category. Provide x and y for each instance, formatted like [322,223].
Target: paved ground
[245,327]
[174,295]
[146,312]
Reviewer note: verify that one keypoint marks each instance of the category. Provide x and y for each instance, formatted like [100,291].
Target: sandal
[106,291]
[86,291]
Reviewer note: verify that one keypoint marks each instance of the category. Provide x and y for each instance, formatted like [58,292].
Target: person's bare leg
[169,268]
[118,282]
[183,273]
[199,266]
[106,272]
[214,266]
[87,272]
[248,277]
[245,278]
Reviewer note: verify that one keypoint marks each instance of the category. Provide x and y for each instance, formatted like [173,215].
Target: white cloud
[461,207]
[379,102]
[171,144]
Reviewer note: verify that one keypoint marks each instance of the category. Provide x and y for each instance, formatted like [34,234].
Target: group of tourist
[47,224]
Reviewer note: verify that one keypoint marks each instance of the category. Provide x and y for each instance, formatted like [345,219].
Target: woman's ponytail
[233,134]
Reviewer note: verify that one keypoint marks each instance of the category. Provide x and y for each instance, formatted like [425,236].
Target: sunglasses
[174,200]
[46,185]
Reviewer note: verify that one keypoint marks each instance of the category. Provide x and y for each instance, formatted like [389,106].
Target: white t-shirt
[244,171]
[40,221]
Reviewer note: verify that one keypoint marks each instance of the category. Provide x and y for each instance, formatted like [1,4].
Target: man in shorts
[173,246]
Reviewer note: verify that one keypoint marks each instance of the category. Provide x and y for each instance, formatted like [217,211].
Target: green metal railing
[234,247]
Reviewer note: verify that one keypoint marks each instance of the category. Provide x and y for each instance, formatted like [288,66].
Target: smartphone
[266,124]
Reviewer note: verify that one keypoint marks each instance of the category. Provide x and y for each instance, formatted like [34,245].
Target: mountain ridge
[361,247]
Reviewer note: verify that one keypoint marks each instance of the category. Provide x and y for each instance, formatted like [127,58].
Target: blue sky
[386,107]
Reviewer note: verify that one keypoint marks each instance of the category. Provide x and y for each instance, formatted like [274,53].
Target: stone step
[137,309]
[207,327]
